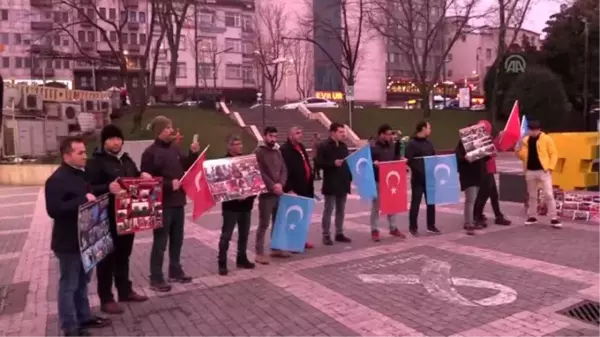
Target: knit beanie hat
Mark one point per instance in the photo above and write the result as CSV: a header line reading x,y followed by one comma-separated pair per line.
x,y
159,123
111,131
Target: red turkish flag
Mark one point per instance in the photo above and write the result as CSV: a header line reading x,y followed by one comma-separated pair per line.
x,y
393,196
195,185
512,129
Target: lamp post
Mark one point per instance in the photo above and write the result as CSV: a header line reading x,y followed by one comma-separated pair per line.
x,y
586,47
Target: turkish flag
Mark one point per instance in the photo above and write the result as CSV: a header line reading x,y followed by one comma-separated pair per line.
x,y
512,129
195,185
392,187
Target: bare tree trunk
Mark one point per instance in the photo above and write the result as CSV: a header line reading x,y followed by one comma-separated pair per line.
x,y
496,103
425,92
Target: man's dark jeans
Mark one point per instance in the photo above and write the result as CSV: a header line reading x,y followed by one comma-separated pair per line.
x,y
115,266
487,190
73,304
171,233
418,190
230,219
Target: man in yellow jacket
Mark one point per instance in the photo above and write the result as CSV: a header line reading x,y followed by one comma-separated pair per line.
x,y
538,153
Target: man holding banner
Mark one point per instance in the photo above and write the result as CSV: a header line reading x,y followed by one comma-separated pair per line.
x,y
385,158
471,176
336,181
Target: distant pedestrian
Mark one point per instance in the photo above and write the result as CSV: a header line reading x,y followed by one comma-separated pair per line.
x,y
539,156
235,212
300,177
471,175
66,190
274,173
336,182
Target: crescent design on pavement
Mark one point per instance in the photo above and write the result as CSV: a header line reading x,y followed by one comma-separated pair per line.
x,y
358,162
197,180
294,208
387,180
441,167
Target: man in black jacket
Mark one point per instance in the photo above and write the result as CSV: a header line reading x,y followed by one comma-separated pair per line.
x,y
300,176
382,150
106,166
336,182
163,159
235,212
66,190
418,147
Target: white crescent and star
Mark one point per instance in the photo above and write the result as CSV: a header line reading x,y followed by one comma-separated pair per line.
x,y
387,180
197,180
358,162
442,167
294,208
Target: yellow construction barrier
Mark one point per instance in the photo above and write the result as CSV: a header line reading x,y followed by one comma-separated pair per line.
x,y
576,153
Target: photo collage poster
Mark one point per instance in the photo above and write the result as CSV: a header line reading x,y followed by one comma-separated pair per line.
x,y
234,178
139,207
477,142
574,205
95,242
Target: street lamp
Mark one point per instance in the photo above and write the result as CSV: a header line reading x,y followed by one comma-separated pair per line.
x,y
586,47
264,82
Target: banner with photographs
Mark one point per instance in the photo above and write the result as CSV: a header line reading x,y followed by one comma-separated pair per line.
x,y
574,205
234,178
139,208
477,142
95,241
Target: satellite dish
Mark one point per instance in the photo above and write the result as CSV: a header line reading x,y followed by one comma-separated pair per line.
x,y
11,95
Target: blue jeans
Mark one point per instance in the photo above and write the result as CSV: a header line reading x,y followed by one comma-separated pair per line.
x,y
73,304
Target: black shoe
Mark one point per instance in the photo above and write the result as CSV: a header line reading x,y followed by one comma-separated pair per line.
x,y
244,264
327,241
94,323
77,332
223,269
481,223
342,238
414,232
502,221
160,286
469,229
433,230
556,223
181,278
479,226
531,221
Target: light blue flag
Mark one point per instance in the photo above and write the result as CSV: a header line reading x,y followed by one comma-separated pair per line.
x,y
524,126
292,223
363,175
441,180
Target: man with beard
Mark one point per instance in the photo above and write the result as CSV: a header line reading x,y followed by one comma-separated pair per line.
x,y
163,159
300,177
108,164
65,191
274,174
235,212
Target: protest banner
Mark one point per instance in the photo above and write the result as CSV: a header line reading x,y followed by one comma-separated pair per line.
x,y
139,206
477,142
234,178
95,242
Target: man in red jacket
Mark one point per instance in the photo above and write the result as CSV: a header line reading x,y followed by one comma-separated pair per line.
x,y
488,189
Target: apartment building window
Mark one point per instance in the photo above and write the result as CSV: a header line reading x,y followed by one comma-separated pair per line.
x,y
390,58
234,44
450,73
27,61
247,47
112,14
161,71
18,38
142,17
183,43
125,38
247,24
132,16
56,40
4,38
232,19
248,74
207,44
143,39
91,36
488,54
133,38
66,64
65,42
81,36
112,36
207,70
57,64
4,14
57,17
18,62
233,71
206,18
181,70
6,62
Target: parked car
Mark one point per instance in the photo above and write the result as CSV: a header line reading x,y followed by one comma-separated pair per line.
x,y
189,103
258,105
478,107
311,102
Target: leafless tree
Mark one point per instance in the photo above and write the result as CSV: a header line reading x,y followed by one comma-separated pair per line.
x,y
173,16
270,26
208,56
423,34
302,68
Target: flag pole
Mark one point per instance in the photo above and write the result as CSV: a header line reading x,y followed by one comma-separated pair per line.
x,y
194,163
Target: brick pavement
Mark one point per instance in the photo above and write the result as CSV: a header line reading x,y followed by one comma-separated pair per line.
x,y
320,292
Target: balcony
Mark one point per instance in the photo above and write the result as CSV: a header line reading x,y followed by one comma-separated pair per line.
x,y
132,48
42,25
133,25
208,29
131,3
41,3
88,46
41,72
41,48
87,22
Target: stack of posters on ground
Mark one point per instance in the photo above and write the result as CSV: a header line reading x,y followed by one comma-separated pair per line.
x,y
573,205
139,207
95,241
234,178
477,142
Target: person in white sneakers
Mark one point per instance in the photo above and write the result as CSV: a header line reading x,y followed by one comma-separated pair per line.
x,y
538,153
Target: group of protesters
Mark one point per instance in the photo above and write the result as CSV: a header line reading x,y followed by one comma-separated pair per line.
x,y
285,168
